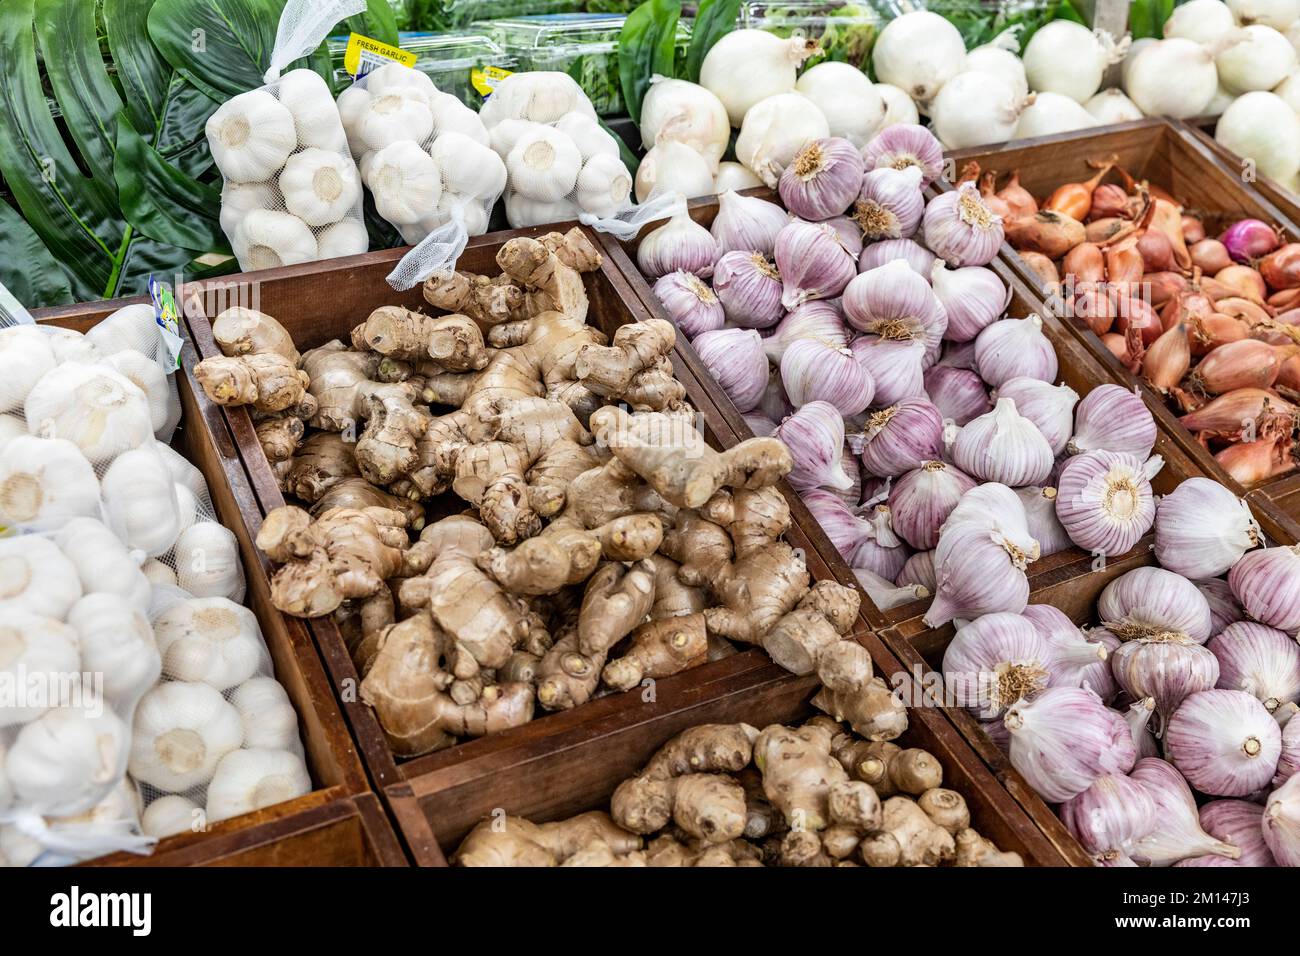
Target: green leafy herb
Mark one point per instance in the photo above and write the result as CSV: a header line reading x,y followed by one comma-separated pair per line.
x,y
647,45
713,19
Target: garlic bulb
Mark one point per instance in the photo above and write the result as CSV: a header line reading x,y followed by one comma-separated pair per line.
x,y
117,642
544,164
267,239
689,303
747,223
1104,500
1203,529
774,130
169,815
1004,447
680,244
958,393
407,183
907,144
1116,419
973,297
1154,603
1049,407
182,470
346,238
1281,823
890,203
993,662
686,113
209,640
896,367
895,303
852,104
248,780
813,263
587,135
1109,817
522,211
1176,833
734,357
1168,671
818,320
207,561
880,551
148,376
960,229
35,576
11,427
604,186
104,566
25,356
1224,609
673,167
316,120
1267,583
976,573
1260,660
69,345
34,647
1288,764
67,758
393,114
1064,739
919,571
811,371
181,732
269,718
1015,348
95,408
901,437
157,573
1044,526
1239,823
140,503
44,482
538,95
823,179
250,136
131,327
815,434
749,288
922,500
1224,742
920,259
320,186
1074,659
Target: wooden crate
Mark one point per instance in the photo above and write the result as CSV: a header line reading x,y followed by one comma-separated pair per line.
x,y
1273,191
567,761
1078,369
1176,158
338,823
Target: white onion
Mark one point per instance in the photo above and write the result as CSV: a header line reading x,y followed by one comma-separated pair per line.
x,y
1261,127
1112,106
1137,47
1067,58
999,61
849,100
1203,21
685,113
734,176
671,166
1174,78
1052,113
918,52
1278,14
1259,62
747,66
975,108
899,107
774,130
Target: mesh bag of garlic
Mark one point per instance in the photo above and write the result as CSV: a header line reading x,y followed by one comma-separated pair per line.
x,y
561,163
423,154
292,192
114,572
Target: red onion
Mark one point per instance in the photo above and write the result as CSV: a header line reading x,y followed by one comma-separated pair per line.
x,y
903,145
913,253
1238,822
1249,239
734,357
749,288
1109,817
822,179
901,437
1281,268
1224,742
1176,833
1065,738
958,393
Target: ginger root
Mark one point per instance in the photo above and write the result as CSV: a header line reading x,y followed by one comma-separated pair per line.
x,y
241,331
850,693
908,837
659,649
513,841
267,381
453,342
975,850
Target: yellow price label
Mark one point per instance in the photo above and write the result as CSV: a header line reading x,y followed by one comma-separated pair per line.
x,y
364,54
485,78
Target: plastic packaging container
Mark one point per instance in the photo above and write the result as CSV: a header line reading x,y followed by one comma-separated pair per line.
x,y
443,15
979,21
449,59
846,29
584,45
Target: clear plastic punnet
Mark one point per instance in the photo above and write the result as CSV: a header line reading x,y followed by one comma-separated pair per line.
x,y
292,192
116,574
456,62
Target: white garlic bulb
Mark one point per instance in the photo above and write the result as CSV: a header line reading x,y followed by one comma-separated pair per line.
x,y
505,134
405,181
351,104
210,640
468,167
671,166
25,356
95,408
69,345
248,780
6,788
588,135
538,95
116,641
158,574
522,211
316,120
139,501
45,481
181,732
345,238
207,561
604,186
67,757
251,135
473,212
132,327
32,645
239,199
269,239
450,115
393,114
148,376
544,165
104,565
393,79
269,718
36,577
11,427
169,815
320,186
183,471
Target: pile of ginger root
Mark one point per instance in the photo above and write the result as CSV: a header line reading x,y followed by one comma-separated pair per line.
x,y
596,543
730,795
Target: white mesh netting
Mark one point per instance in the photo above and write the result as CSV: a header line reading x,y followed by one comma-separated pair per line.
x,y
114,573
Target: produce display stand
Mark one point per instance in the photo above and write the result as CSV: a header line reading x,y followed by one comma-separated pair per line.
x,y
1179,160
339,823
570,761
